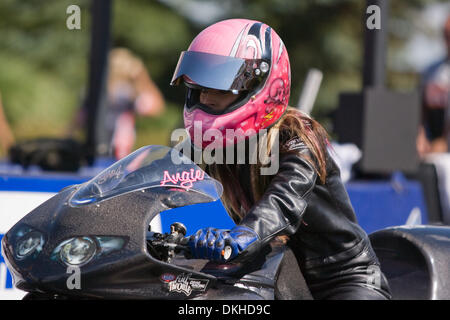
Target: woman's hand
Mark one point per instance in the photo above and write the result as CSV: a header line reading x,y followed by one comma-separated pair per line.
x,y
221,245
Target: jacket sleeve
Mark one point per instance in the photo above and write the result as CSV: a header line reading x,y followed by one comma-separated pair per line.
x,y
280,209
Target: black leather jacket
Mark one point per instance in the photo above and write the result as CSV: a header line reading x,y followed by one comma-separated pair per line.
x,y
333,251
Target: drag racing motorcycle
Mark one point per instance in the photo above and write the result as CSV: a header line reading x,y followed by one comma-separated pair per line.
x,y
122,235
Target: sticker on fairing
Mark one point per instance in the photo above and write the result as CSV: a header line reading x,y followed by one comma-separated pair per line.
x,y
167,277
183,283
184,179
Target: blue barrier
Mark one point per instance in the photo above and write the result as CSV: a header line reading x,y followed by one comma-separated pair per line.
x,y
378,204
8,283
381,204
198,216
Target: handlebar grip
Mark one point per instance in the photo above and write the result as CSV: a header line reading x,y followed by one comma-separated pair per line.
x,y
184,241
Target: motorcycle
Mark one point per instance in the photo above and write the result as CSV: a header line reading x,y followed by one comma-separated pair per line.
x,y
104,239
122,235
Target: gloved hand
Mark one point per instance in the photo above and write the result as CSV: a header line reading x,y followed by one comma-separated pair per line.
x,y
210,243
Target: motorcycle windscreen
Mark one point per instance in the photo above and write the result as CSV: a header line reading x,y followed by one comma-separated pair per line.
x,y
148,167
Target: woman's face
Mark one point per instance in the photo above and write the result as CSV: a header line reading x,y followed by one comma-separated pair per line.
x,y
217,100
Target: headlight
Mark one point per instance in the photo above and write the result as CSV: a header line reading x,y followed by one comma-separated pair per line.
x,y
28,244
77,251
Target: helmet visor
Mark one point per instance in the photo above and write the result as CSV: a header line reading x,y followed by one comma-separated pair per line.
x,y
220,72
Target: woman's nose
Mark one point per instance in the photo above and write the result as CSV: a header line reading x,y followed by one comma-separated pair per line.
x,y
205,95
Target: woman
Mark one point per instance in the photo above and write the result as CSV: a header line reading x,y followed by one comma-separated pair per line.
x,y
237,75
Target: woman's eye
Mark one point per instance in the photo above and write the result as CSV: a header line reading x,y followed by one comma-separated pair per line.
x,y
213,91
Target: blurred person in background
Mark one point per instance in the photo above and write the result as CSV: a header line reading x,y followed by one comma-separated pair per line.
x,y
435,130
433,140
130,92
6,135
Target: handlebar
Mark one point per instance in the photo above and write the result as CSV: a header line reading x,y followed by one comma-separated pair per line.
x,y
168,244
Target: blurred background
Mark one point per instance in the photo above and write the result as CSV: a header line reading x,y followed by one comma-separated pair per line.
x,y
44,65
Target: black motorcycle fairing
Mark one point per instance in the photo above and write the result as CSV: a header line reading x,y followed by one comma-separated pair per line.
x,y
122,208
127,273
415,260
119,203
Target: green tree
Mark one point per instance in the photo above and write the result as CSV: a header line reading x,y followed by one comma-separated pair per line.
x,y
44,65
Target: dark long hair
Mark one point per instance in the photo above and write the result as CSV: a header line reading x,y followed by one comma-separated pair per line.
x,y
292,124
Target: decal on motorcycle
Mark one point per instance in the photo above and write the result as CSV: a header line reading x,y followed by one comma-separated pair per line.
x,y
184,179
114,173
183,283
167,277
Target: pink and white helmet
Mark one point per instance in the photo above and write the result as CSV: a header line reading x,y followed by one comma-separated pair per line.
x,y
243,56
